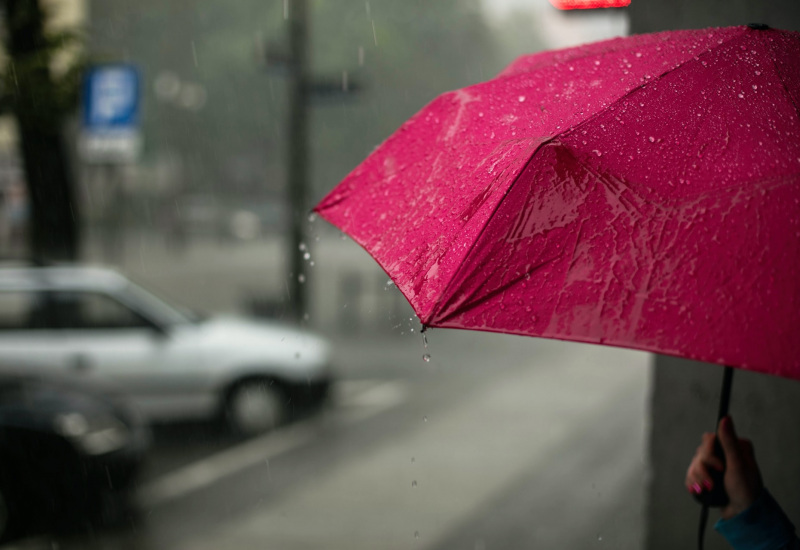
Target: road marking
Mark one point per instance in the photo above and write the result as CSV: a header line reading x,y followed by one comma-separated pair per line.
x,y
354,401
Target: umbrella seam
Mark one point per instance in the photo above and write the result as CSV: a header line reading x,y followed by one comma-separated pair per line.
x,y
444,297
642,85
783,81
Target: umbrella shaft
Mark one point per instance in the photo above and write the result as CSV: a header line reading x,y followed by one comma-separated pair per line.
x,y
725,396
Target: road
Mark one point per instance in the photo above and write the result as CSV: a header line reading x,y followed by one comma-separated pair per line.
x,y
497,442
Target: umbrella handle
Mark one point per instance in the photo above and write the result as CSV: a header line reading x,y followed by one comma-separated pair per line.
x,y
717,497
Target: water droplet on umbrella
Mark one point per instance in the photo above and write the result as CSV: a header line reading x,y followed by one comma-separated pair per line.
x,y
758,73
741,95
651,139
413,459
521,98
598,153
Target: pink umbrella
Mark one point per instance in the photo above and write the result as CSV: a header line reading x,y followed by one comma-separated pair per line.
x,y
640,192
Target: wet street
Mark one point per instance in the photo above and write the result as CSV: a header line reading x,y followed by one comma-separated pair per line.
x,y
497,442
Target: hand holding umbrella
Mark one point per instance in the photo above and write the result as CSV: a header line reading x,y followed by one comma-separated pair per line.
x,y
751,518
742,479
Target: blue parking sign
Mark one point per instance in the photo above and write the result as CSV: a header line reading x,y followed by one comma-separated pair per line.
x,y
111,97
111,114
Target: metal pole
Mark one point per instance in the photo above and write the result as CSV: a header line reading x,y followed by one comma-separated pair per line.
x,y
298,153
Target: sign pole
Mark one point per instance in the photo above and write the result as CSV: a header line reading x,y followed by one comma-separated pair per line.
x,y
298,155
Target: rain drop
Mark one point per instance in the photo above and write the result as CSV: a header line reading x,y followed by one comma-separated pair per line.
x,y
424,418
302,246
307,256
758,73
414,483
741,96
598,153
521,98
651,139
312,217
755,87
301,278
427,357
416,534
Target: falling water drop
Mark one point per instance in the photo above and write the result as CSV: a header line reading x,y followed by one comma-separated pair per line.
x,y
426,357
301,278
416,534
302,246
424,418
307,256
414,483
312,217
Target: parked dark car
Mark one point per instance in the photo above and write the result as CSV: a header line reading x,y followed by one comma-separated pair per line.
x,y
67,454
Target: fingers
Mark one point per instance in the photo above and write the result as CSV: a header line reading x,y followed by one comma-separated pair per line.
x,y
706,453
698,478
730,442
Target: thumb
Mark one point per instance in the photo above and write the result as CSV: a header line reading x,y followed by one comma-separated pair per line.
x,y
729,440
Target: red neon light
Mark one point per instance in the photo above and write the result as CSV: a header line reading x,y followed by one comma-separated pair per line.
x,y
589,4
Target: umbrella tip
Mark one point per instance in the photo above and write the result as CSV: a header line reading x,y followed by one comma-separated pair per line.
x,y
758,26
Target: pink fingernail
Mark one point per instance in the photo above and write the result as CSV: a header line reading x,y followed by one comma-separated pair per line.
x,y
697,489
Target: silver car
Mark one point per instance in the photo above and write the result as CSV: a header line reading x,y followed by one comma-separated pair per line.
x,y
95,323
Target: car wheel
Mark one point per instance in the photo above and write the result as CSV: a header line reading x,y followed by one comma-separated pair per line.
x,y
254,407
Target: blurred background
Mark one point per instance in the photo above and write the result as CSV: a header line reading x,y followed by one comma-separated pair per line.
x,y
181,145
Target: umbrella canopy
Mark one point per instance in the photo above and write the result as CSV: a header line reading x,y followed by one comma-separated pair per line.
x,y
641,192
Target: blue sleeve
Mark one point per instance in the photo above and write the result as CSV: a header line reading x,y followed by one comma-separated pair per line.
x,y
763,526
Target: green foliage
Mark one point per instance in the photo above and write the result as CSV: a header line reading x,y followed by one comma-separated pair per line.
x,y
41,84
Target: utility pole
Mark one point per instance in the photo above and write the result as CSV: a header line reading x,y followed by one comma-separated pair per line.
x,y
298,153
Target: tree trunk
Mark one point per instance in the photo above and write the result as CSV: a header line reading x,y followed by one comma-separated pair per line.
x,y
53,223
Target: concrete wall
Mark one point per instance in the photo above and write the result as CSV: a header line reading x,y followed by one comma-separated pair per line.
x,y
685,393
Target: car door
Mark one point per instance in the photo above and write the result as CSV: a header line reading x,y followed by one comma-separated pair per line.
x,y
157,369
30,340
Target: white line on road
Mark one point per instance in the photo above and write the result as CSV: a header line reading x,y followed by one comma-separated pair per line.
x,y
355,401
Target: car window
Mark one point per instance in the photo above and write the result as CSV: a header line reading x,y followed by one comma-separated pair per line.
x,y
23,310
91,310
